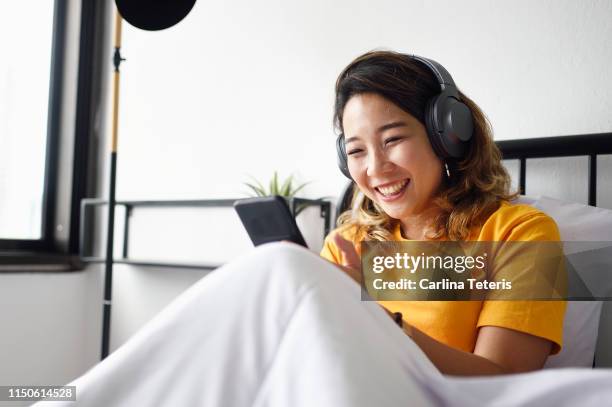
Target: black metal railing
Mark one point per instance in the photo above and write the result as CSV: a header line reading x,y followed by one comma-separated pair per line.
x,y
86,231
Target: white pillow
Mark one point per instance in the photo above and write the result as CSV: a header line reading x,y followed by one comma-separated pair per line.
x,y
577,223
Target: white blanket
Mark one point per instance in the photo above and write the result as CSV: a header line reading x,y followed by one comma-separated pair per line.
x,y
283,327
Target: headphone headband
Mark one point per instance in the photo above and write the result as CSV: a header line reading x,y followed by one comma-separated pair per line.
x,y
448,120
445,80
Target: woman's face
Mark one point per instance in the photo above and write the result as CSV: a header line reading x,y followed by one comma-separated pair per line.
x,y
389,156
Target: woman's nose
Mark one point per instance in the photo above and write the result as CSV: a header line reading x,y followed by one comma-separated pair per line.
x,y
378,163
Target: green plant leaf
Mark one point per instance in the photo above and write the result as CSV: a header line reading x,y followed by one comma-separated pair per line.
x,y
296,190
285,189
274,184
260,186
258,190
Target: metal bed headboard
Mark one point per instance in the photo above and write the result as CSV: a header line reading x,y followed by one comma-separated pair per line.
x,y
590,145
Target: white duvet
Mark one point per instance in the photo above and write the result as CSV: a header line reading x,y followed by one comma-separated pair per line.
x,y
283,327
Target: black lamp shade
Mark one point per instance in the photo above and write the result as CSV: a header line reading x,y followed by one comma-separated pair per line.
x,y
154,15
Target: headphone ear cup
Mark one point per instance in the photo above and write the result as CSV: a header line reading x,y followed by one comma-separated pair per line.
x,y
449,126
433,130
342,158
456,124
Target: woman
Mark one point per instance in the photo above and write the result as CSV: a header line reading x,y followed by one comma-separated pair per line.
x,y
280,326
430,171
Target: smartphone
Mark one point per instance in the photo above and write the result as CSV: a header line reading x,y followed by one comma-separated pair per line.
x,y
268,219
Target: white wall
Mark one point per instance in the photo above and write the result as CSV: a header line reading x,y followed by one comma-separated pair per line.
x,y
247,87
49,326
243,88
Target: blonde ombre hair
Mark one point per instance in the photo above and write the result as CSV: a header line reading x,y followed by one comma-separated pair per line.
x,y
479,181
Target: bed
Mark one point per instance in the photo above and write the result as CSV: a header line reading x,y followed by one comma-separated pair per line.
x,y
281,327
581,209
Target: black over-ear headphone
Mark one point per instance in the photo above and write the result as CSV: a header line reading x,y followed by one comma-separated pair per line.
x,y
448,121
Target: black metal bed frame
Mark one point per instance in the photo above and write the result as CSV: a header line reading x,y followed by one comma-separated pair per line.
x,y
590,145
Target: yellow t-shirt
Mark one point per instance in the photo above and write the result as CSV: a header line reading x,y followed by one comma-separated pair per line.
x,y
456,323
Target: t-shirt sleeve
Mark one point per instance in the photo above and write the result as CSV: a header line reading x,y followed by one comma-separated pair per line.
x,y
543,318
330,250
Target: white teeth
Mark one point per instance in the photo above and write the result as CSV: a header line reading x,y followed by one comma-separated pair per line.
x,y
392,189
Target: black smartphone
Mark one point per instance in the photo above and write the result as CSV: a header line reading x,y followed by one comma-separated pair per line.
x,y
268,219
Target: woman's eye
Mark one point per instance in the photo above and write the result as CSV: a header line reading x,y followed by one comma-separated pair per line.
x,y
393,139
354,151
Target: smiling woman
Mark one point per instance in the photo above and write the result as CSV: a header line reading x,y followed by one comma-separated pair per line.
x,y
405,97
422,157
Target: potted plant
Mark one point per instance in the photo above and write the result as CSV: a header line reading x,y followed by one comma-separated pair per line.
x,y
286,188
309,222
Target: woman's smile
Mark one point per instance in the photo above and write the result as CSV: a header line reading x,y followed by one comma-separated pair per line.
x,y
392,191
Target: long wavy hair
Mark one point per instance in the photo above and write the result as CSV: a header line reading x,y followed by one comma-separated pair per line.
x,y
479,181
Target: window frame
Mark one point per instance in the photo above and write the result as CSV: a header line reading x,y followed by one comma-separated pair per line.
x,y
59,245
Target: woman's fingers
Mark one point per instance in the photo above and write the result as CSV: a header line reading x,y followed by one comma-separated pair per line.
x,y
351,261
351,258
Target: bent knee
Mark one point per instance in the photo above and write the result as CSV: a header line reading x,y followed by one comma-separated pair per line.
x,y
291,261
290,255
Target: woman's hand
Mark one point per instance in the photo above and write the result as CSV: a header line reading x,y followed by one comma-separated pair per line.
x,y
351,264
